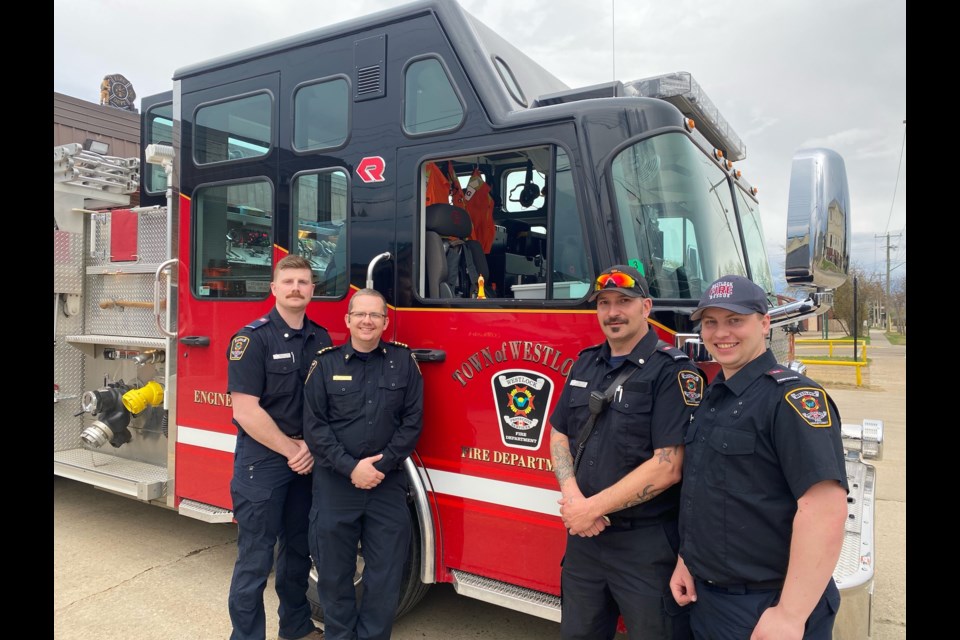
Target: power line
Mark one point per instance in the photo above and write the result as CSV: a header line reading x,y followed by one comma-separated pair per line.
x,y
897,181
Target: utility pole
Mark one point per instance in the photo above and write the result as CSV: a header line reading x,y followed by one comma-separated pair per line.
x,y
886,304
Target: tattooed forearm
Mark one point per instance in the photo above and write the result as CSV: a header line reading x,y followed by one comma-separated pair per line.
x,y
665,454
562,461
648,493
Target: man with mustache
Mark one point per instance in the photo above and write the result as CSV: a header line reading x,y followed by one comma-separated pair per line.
x,y
617,456
268,361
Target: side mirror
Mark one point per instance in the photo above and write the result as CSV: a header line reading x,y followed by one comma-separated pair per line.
x,y
818,220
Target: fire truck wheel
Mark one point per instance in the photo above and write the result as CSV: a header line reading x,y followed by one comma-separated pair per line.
x,y
412,589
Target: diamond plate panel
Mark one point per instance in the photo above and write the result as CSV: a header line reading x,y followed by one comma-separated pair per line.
x,y
780,345
67,262
152,241
117,320
68,373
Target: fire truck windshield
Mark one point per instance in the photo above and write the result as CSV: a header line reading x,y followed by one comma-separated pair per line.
x,y
676,210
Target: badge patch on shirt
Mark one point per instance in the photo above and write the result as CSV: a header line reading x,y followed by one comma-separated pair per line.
x,y
238,346
343,377
691,386
313,365
812,406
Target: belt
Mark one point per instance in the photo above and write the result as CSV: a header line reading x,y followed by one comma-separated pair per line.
x,y
744,587
636,523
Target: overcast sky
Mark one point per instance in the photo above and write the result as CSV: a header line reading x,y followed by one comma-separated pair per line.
x,y
785,74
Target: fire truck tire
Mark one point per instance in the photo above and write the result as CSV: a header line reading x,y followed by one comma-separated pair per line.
x,y
412,589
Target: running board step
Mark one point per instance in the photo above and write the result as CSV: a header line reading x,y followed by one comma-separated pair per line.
x,y
537,603
130,477
205,512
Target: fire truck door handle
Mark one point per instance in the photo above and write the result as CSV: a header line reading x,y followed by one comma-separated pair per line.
x,y
429,355
196,341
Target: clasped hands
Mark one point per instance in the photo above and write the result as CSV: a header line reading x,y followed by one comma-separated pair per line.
x,y
579,518
365,475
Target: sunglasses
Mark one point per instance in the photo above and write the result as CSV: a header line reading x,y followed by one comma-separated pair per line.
x,y
617,279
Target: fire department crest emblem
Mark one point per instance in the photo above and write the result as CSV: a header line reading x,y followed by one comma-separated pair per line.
x,y
691,386
238,346
812,406
521,398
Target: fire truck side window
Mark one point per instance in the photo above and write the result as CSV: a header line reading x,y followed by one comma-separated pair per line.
x,y
233,130
496,215
233,240
431,102
159,130
319,206
321,115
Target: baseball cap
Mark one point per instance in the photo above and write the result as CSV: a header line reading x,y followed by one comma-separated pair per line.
x,y
623,279
733,293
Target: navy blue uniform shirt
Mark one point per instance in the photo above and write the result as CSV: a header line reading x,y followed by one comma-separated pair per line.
x,y
755,445
650,412
269,360
357,405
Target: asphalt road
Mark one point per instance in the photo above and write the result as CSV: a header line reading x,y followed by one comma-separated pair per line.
x,y
124,569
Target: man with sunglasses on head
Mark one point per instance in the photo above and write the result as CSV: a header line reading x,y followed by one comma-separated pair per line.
x,y
363,411
764,497
617,450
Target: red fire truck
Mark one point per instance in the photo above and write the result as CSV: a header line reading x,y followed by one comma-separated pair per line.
x,y
334,145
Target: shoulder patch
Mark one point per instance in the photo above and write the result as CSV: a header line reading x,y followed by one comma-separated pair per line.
x,y
238,346
673,352
400,344
592,348
330,348
781,374
812,405
691,386
259,322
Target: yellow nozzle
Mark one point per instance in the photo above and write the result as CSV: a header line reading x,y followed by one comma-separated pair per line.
x,y
136,400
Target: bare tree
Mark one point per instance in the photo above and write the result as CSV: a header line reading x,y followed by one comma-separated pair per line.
x,y
869,289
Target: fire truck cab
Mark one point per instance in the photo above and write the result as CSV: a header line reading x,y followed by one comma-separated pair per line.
x,y
418,152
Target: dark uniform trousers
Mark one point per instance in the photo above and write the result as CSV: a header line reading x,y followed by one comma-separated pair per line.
x,y
271,504
630,562
379,519
731,612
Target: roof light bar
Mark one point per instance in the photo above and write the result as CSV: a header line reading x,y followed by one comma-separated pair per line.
x,y
683,92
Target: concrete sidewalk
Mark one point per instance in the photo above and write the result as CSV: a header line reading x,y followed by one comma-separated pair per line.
x,y
883,396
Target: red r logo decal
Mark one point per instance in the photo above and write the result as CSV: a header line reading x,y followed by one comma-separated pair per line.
x,y
370,169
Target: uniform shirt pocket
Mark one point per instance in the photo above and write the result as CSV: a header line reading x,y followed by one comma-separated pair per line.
x,y
733,467
630,416
282,378
578,411
344,400
392,389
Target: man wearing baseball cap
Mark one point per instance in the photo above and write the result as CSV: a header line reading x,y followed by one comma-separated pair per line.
x,y
617,450
763,503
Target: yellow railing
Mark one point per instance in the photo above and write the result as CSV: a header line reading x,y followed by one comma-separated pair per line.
x,y
839,363
820,341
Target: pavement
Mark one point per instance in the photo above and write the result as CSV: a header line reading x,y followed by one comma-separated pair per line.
x,y
883,396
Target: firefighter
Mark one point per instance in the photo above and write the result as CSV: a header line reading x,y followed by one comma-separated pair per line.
x,y
618,458
268,361
363,412
763,503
